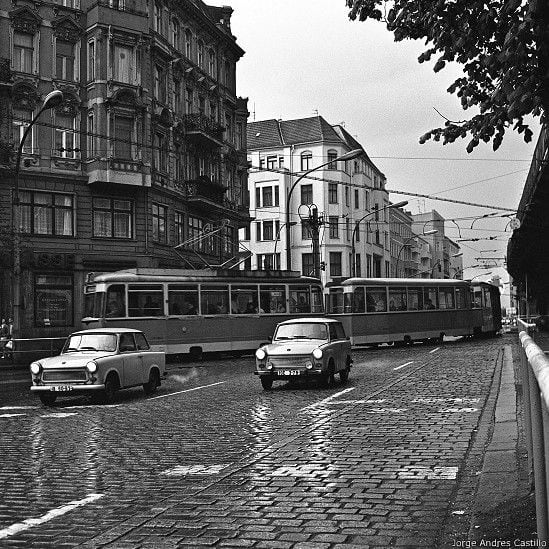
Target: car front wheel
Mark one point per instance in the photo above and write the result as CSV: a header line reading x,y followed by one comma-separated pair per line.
x,y
344,375
266,383
47,398
109,393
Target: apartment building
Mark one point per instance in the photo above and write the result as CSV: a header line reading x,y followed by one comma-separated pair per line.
x,y
296,182
142,165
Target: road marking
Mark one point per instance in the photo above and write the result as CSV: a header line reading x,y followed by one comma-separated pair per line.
x,y
12,415
18,407
60,414
54,513
459,410
435,400
188,390
327,400
402,365
434,350
182,470
386,410
371,401
423,473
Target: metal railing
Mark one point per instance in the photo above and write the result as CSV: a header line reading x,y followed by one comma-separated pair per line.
x,y
535,383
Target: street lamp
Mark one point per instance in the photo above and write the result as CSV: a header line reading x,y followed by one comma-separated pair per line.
x,y
353,254
425,233
481,274
347,156
52,100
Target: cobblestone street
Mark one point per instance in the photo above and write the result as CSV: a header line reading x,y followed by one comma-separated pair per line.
x,y
213,460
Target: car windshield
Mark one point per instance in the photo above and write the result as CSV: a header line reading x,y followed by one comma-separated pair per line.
x,y
301,331
90,342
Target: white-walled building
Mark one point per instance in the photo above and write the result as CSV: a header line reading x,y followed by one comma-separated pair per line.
x,y
349,197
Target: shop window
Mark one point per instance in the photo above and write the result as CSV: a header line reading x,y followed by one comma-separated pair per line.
x,y
54,298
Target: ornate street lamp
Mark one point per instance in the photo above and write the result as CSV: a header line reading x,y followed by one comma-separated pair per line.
x,y
52,100
347,156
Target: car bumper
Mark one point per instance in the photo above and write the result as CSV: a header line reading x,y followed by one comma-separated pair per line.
x,y
66,388
291,374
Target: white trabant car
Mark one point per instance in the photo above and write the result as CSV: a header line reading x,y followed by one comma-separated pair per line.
x,y
305,348
99,362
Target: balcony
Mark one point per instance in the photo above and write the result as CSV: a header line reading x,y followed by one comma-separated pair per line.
x,y
205,192
203,130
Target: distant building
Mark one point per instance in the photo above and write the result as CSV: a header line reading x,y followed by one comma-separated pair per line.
x,y
143,165
349,197
405,257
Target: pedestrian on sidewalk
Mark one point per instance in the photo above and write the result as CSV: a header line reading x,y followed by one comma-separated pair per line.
x,y
4,336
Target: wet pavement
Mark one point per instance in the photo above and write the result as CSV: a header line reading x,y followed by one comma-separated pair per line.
x,y
391,458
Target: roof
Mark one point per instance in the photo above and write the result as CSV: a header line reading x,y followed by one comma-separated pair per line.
x,y
108,331
305,320
278,133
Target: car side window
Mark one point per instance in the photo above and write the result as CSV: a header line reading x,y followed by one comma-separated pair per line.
x,y
142,343
127,343
333,333
340,331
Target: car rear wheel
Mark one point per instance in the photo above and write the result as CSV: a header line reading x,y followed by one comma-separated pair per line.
x,y
47,398
153,383
266,383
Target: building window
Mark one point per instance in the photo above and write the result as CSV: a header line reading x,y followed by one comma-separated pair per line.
x,y
271,162
334,226
332,155
307,264
211,63
65,136
188,44
357,231
306,194
112,218
194,232
358,268
306,230
90,135
189,101
23,52
159,223
160,83
91,60
53,300
267,230
158,18
64,55
176,33
160,153
267,196
332,193
200,54
306,161
346,196
47,213
21,121
335,264
123,64
177,96
123,136
179,228
268,262
357,201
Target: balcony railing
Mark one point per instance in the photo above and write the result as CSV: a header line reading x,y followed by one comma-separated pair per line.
x,y
204,189
202,126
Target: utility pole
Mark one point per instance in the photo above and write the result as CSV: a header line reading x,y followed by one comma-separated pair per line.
x,y
314,223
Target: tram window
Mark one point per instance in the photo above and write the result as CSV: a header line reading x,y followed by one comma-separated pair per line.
x,y
316,300
358,305
272,299
300,300
486,298
430,298
397,299
446,298
214,300
415,299
376,300
182,299
476,297
335,301
145,300
116,301
244,300
461,300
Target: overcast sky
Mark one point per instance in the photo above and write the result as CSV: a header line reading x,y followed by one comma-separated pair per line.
x,y
306,56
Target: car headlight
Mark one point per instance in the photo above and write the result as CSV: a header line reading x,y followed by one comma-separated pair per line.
x,y
35,368
317,354
260,354
92,367
9,345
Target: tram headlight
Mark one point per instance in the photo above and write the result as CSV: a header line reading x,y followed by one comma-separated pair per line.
x,y
91,367
260,354
317,354
35,368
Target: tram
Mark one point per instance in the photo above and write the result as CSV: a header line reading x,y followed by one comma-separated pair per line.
x,y
195,311
387,310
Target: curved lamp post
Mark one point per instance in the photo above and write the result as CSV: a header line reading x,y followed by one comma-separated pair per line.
x,y
347,156
353,251
52,100
481,274
425,233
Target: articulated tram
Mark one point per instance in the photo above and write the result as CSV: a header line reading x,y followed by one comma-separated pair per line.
x,y
386,310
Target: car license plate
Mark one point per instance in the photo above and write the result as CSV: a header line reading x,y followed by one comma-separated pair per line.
x,y
61,388
288,372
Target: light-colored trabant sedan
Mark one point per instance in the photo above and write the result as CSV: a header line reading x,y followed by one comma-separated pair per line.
x,y
99,362
305,348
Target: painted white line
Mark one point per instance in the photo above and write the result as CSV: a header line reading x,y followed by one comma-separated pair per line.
x,y
183,470
458,410
402,365
18,407
12,415
434,350
327,400
189,390
386,410
54,513
61,414
378,401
